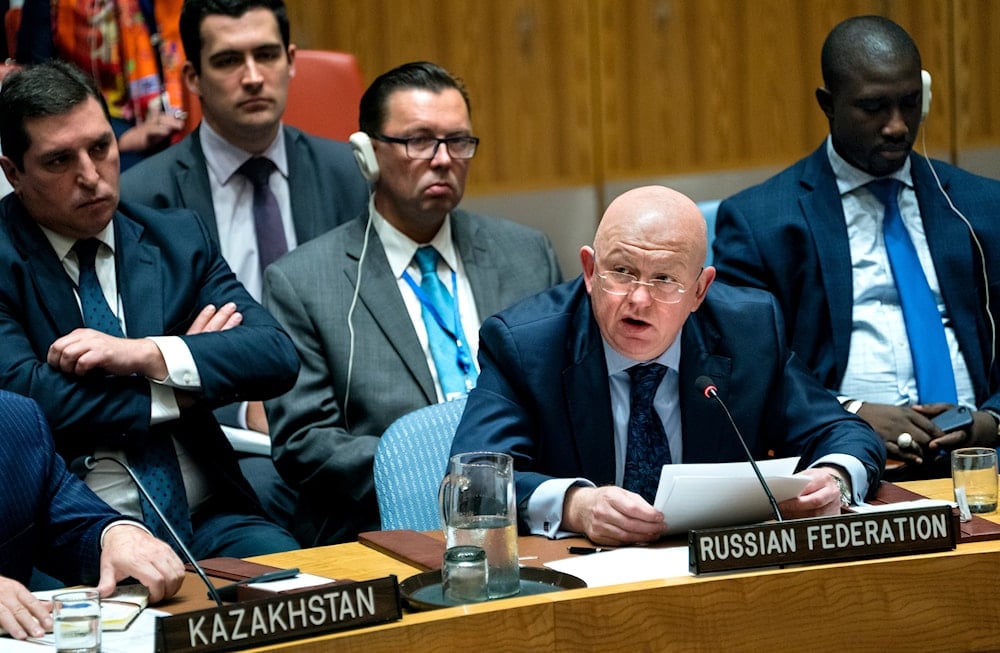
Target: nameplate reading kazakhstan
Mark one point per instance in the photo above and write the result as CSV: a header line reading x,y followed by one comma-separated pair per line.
x,y
852,536
282,617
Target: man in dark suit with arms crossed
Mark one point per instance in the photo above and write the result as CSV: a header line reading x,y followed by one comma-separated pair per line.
x,y
124,323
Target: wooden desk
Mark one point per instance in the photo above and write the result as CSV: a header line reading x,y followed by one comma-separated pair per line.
x,y
935,602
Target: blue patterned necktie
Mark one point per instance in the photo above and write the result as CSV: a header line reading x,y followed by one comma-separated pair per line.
x,y
443,345
648,450
155,462
270,230
928,345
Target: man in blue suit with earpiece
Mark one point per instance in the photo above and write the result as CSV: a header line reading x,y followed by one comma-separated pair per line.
x,y
884,262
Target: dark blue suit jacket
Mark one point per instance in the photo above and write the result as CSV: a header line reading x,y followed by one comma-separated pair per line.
x,y
544,397
168,270
788,235
325,185
48,516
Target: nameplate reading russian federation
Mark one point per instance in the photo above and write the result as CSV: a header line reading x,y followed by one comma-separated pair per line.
x,y
852,536
281,617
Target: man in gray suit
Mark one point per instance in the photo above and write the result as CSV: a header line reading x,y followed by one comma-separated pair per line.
x,y
360,311
240,62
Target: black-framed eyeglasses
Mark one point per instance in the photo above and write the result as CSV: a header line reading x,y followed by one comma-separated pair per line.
x,y
426,147
623,283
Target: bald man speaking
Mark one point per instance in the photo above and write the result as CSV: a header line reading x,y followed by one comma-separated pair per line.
x,y
590,385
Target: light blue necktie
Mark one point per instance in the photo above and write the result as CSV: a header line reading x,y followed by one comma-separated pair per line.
x,y
647,450
928,345
155,461
443,345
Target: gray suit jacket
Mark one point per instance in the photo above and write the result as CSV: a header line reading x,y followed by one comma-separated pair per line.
x,y
320,443
324,182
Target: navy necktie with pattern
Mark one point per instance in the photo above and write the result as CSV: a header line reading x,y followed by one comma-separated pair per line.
x,y
924,330
155,461
648,450
270,230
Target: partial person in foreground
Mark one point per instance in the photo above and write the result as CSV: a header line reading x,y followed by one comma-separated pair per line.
x,y
591,385
885,263
125,324
51,520
377,336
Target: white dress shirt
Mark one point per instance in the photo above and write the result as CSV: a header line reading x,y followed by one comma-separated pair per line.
x,y
232,199
879,365
108,480
399,251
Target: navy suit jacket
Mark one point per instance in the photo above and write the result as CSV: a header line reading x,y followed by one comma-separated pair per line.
x,y
48,517
325,186
544,396
168,270
789,236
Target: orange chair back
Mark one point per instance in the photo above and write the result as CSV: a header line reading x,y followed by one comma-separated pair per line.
x,y
12,23
323,96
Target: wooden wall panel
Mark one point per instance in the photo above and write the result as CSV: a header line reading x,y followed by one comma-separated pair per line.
x,y
579,92
977,71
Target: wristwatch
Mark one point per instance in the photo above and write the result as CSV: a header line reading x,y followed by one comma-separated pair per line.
x,y
845,494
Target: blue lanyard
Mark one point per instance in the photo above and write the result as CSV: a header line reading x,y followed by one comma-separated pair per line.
x,y
464,358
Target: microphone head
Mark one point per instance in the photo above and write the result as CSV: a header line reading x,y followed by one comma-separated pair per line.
x,y
706,386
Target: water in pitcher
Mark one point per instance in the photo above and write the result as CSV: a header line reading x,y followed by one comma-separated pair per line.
x,y
498,538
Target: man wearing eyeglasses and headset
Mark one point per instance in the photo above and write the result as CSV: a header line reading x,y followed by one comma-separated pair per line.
x,y
564,373
377,336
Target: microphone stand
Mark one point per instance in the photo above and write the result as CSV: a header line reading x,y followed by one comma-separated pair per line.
x,y
711,392
91,461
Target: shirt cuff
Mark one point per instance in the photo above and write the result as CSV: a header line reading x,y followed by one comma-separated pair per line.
x,y
545,506
181,369
855,469
120,522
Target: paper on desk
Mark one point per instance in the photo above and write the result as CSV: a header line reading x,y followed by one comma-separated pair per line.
x,y
627,565
301,581
139,638
723,494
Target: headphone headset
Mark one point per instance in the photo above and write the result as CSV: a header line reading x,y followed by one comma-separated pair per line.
x,y
364,154
925,101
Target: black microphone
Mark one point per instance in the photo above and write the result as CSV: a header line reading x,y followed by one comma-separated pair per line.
x,y
707,387
89,462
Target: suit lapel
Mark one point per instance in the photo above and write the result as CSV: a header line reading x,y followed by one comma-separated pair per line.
x,y
481,269
380,295
139,280
699,339
303,188
588,399
955,262
824,213
57,297
192,183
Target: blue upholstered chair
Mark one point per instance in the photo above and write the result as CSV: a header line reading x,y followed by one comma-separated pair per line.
x,y
410,462
709,208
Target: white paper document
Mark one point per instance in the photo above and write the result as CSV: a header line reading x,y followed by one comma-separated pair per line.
x,y
723,494
626,565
